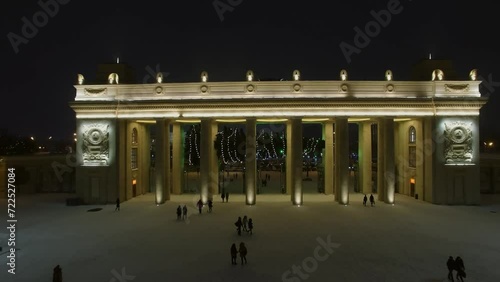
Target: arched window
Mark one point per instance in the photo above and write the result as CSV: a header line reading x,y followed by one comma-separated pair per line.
x,y
134,136
412,135
412,140
133,157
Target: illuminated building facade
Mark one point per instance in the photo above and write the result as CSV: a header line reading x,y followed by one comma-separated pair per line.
x,y
427,131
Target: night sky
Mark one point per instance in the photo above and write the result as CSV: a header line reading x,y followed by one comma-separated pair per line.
x,y
272,38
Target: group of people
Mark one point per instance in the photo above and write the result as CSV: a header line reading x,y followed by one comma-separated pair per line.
x,y
210,205
458,265
264,181
224,195
243,253
182,211
246,224
372,200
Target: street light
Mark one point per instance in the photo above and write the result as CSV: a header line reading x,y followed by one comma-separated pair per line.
x,y
488,145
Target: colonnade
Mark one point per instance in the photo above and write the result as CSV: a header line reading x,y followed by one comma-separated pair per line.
x,y
335,159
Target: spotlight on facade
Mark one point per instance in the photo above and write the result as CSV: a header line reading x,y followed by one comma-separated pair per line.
x,y
296,75
249,75
343,75
81,79
204,76
159,77
388,75
473,74
437,74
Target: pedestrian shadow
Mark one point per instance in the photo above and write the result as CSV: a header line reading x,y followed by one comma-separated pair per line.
x,y
94,210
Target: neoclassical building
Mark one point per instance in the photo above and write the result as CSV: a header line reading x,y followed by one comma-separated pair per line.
x,y
427,131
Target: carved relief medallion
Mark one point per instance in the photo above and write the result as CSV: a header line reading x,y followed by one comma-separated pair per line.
x,y
458,143
95,145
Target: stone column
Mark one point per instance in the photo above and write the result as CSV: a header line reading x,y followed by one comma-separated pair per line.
x,y
177,158
386,166
365,157
294,160
342,160
162,161
429,148
419,175
214,162
250,162
205,159
380,159
328,157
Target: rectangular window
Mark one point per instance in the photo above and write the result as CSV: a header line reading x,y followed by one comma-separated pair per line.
x,y
412,158
134,158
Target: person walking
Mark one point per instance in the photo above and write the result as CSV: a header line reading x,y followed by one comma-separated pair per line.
x,y
179,212
200,205
238,224
223,195
234,252
364,200
57,275
243,253
184,212
117,204
451,266
372,200
227,197
250,226
460,268
210,205
245,222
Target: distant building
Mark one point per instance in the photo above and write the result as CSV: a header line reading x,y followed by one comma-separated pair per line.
x,y
124,71
38,174
422,70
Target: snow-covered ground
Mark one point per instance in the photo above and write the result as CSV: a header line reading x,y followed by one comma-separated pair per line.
x,y
319,241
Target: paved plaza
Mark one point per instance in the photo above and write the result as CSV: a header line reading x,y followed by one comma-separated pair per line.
x,y
319,241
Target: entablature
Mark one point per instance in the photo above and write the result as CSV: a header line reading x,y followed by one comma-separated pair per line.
x,y
292,90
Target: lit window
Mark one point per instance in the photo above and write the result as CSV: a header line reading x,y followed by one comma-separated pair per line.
x,y
412,135
412,157
134,136
133,158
